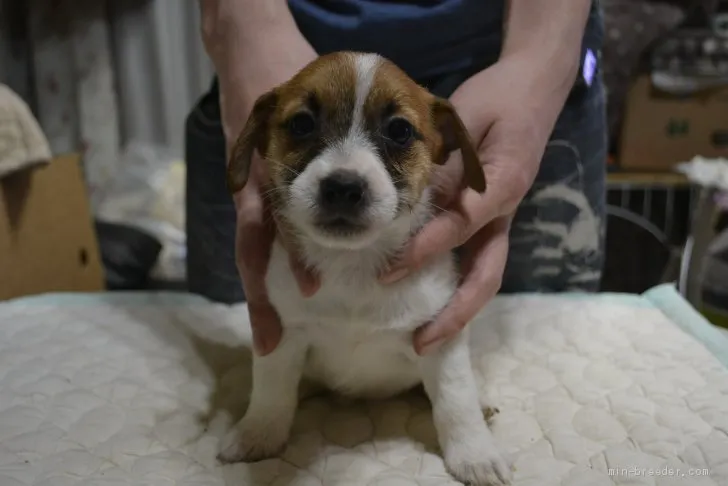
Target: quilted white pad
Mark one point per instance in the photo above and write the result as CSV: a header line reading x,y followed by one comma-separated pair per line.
x,y
109,391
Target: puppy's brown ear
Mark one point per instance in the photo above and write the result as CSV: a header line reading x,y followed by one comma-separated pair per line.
x,y
455,137
253,137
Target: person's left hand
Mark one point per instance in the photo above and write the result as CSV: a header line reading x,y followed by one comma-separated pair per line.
x,y
509,110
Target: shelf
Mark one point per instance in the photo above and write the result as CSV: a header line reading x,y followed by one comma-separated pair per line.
x,y
671,179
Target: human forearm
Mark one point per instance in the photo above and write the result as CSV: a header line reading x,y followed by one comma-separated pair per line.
x,y
254,46
227,23
550,33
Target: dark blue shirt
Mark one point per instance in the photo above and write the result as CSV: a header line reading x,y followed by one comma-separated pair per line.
x,y
426,38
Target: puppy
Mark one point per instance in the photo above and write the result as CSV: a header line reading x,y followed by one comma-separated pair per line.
x,y
350,144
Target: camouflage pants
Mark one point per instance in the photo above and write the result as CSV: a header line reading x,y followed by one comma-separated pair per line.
x,y
557,237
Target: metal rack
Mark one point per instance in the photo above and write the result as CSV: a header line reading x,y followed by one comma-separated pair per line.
x,y
677,213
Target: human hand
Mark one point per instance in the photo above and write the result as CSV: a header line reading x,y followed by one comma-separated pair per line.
x,y
509,110
248,66
256,229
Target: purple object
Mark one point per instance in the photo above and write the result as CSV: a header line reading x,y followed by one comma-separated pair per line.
x,y
590,67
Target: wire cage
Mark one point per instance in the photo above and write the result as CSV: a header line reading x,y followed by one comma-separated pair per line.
x,y
648,222
660,229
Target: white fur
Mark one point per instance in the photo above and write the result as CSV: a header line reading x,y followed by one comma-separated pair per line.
x,y
366,69
355,335
354,153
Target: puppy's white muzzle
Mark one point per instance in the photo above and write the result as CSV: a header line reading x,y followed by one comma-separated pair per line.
x,y
344,198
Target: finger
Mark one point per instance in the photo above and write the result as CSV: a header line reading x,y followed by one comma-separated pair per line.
x,y
447,181
449,229
255,232
308,281
510,166
254,237
264,320
265,325
484,272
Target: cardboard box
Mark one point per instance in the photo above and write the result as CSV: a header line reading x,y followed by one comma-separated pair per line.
x,y
661,130
47,239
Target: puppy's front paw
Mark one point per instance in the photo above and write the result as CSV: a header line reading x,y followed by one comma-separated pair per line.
x,y
481,465
247,443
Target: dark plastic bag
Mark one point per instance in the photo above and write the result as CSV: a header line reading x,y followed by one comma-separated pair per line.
x,y
128,255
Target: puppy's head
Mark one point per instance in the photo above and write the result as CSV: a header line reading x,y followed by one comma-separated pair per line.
x,y
350,143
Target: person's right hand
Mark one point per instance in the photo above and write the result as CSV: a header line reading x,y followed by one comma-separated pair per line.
x,y
248,66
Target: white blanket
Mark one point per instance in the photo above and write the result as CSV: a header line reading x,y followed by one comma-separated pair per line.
x,y
137,390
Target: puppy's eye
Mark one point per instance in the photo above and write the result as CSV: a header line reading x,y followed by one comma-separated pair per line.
x,y
399,131
301,125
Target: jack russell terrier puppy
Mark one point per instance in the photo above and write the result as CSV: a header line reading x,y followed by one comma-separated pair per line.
x,y
350,144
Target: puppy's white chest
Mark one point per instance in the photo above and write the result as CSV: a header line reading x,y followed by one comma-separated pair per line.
x,y
359,333
375,364
352,299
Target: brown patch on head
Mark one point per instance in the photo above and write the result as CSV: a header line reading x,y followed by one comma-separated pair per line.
x,y
322,92
295,122
436,132
394,96
321,95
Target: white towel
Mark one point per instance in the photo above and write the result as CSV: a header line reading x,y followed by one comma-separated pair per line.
x,y
707,172
22,142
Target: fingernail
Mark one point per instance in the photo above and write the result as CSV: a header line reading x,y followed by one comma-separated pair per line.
x,y
394,276
307,289
260,345
314,286
429,347
308,283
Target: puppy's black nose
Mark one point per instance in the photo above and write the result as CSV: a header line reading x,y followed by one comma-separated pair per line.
x,y
343,193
